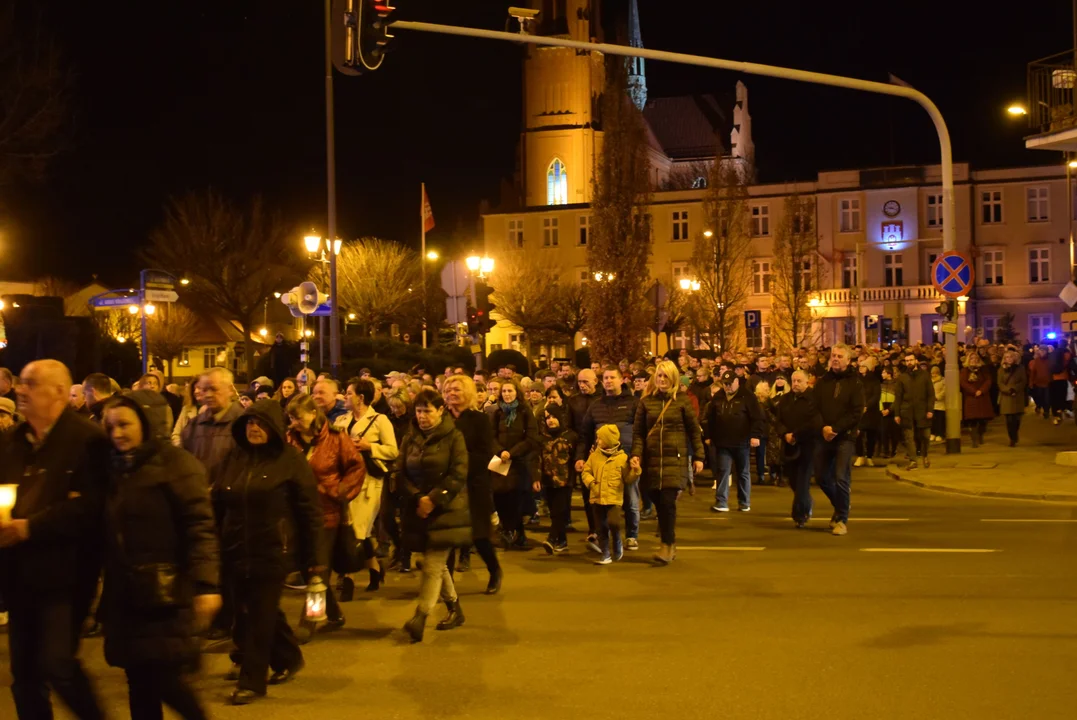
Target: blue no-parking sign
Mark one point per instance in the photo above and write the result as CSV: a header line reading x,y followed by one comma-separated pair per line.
x,y
952,274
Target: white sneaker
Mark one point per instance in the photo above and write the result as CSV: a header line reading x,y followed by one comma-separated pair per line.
x,y
869,462
858,462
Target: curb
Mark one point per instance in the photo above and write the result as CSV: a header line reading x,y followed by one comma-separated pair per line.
x,y
1048,497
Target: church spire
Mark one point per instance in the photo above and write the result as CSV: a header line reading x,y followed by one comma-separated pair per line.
x,y
637,75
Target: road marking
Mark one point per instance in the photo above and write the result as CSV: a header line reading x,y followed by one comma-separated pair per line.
x,y
1028,520
855,520
733,548
928,550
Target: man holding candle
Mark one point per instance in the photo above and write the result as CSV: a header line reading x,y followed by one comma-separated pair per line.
x,y
50,548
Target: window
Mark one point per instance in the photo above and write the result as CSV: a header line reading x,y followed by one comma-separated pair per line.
x,y
802,273
934,210
850,215
517,342
759,337
761,276
700,183
680,225
585,229
848,331
992,267
931,258
991,328
550,232
894,270
584,274
516,233
760,220
1037,198
991,207
1038,327
185,357
214,357
556,183
1038,262
680,270
849,272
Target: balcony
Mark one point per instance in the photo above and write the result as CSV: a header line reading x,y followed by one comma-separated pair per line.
x,y
1051,114
847,296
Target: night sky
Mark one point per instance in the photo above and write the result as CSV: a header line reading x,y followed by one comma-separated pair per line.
x,y
175,96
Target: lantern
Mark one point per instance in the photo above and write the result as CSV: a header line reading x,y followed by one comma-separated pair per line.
x,y
7,502
314,612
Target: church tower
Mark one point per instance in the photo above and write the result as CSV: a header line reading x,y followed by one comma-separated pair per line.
x,y
637,75
562,88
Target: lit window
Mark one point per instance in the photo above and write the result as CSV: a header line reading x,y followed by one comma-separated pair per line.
x,y
1038,200
992,267
550,232
760,220
1038,327
850,215
556,184
894,270
991,328
758,337
585,229
761,276
516,233
991,207
1039,260
680,225
934,210
849,272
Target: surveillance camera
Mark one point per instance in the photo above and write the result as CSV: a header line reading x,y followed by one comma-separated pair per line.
x,y
523,14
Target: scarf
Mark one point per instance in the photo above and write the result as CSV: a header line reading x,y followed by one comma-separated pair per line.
x,y
509,409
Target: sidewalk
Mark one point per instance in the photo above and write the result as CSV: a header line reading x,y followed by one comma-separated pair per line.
x,y
1026,472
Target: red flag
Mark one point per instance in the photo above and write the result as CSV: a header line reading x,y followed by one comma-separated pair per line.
x,y
427,212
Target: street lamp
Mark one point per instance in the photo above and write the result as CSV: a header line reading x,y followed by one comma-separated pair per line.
x,y
483,265
185,281
1017,109
312,242
351,316
708,234
263,332
605,277
432,256
133,309
689,285
149,309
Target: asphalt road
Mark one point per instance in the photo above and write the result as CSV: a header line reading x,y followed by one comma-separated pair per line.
x,y
755,619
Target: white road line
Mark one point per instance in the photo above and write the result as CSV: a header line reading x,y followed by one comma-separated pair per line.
x,y
928,550
733,548
855,519
1028,520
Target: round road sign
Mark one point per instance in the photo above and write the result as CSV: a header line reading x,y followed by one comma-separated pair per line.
x,y
952,274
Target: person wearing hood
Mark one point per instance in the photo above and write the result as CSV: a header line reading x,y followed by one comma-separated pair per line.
x,y
558,443
263,486
161,557
840,398
605,475
430,480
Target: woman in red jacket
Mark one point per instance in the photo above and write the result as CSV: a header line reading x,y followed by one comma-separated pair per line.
x,y
338,467
975,390
1039,380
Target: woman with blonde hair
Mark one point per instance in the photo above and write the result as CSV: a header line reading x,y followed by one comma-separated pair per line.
x,y
1012,384
666,432
192,400
461,399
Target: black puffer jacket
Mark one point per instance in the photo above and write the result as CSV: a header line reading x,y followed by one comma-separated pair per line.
x,y
157,511
434,465
664,452
730,422
266,500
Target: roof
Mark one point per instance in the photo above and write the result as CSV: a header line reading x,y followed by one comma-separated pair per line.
x,y
687,126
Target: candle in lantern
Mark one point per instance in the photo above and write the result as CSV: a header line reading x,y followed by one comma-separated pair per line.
x,y
7,502
315,607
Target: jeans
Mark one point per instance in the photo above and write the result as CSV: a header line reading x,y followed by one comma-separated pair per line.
x,y
665,503
43,637
437,580
833,472
560,500
917,439
149,687
727,458
1013,426
800,472
760,456
865,442
631,510
261,634
608,527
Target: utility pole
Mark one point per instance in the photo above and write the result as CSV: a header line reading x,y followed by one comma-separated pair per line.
x,y
331,178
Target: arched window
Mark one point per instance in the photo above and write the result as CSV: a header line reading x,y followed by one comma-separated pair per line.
x,y
556,183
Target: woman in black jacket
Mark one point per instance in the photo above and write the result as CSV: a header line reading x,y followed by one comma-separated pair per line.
x,y
161,562
462,401
873,415
515,440
430,478
263,487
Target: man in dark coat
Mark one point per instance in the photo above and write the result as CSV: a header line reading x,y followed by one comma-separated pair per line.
x,y
734,423
914,403
841,405
50,548
799,424
578,405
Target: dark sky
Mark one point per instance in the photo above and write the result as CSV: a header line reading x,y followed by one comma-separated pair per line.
x,y
175,96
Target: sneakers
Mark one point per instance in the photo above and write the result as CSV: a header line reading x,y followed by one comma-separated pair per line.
x,y
927,463
858,462
560,548
592,544
618,552
719,508
548,547
744,508
1057,421
839,529
604,560
869,462
911,465
647,514
802,523
632,544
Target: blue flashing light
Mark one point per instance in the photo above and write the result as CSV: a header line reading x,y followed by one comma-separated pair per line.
x,y
1051,336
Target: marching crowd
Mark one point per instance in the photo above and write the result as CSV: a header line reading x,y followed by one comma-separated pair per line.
x,y
168,514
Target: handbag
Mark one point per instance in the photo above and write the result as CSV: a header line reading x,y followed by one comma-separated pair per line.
x,y
345,555
153,586
373,467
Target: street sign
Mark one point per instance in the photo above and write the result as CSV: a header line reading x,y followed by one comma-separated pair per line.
x,y
456,310
752,319
871,322
104,302
162,281
1069,294
323,310
952,274
950,328
153,295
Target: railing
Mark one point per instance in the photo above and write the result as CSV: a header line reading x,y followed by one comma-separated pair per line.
x,y
844,296
1051,82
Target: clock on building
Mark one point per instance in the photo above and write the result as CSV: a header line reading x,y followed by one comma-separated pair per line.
x,y
892,208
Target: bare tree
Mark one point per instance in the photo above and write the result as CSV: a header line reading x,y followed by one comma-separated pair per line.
x,y
235,259
35,95
170,329
522,293
678,315
797,273
721,254
569,314
380,281
118,325
620,245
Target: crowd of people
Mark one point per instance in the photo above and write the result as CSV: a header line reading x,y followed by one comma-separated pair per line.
x,y
166,514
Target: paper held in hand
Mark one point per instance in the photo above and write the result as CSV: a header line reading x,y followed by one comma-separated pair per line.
x,y
498,466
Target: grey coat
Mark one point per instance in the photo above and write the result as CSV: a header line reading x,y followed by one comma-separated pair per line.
x,y
914,398
1012,383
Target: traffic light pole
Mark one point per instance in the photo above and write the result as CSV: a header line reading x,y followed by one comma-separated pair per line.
x,y
331,182
949,228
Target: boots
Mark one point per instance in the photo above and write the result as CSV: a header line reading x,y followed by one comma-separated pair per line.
x,y
416,626
455,618
664,556
975,436
673,552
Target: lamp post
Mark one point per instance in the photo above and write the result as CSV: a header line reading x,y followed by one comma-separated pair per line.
x,y
479,268
325,254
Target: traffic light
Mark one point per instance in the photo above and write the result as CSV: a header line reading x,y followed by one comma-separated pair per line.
x,y
948,309
360,34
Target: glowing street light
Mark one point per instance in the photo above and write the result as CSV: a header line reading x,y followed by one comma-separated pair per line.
x,y
1017,109
263,332
121,339
276,295
483,265
689,285
133,309
1072,164
312,241
351,316
149,309
708,233
814,302
2,305
432,256
185,281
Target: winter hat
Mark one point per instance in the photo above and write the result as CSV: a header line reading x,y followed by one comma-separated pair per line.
x,y
7,405
262,380
608,436
558,411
